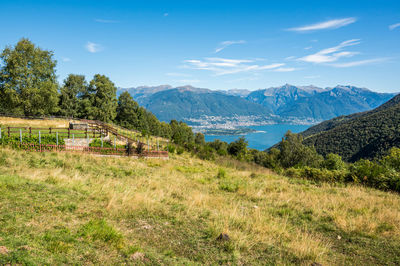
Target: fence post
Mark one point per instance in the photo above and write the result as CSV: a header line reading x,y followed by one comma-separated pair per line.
x,y
40,140
8,131
50,130
69,132
57,137
30,132
101,138
0,132
20,136
73,139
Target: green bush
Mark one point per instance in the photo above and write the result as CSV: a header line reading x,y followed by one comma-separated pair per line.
x,y
229,185
97,143
221,173
206,153
333,162
180,150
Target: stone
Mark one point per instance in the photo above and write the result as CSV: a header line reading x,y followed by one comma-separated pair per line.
x,y
137,256
223,237
3,250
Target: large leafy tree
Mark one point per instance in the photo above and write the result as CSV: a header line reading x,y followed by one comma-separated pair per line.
x,y
127,115
28,83
70,95
100,100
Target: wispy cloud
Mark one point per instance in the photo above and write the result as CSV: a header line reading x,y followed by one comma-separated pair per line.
x,y
393,26
166,14
331,54
312,77
285,69
99,20
307,48
66,59
93,47
329,24
223,66
225,44
360,62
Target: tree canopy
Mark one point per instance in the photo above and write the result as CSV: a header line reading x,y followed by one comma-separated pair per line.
x,y
28,83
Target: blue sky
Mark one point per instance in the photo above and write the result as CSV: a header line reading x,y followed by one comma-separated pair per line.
x,y
216,44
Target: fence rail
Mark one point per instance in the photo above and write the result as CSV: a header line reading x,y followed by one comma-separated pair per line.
x,y
89,150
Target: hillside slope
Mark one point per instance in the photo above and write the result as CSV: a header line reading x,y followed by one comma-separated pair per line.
x,y
80,209
363,135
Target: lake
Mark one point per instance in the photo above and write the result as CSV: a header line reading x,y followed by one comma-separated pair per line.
x,y
264,137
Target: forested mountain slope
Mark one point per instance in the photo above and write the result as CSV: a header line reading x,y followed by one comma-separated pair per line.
x,y
363,135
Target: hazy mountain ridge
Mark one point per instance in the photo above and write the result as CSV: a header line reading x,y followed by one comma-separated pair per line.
x,y
295,103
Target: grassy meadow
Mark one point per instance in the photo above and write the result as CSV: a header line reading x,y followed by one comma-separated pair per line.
x,y
61,208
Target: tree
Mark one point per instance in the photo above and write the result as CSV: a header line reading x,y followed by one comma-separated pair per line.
x,y
199,139
294,153
127,111
100,100
238,148
28,83
70,94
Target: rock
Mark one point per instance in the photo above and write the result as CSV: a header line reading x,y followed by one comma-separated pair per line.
x,y
3,250
137,256
339,237
223,237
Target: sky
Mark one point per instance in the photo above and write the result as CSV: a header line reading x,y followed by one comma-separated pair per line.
x,y
215,44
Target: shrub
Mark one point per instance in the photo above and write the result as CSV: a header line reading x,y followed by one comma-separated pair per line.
x,y
333,162
180,150
97,143
206,153
221,173
170,148
229,185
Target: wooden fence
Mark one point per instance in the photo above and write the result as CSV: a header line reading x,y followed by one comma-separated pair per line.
x,y
89,150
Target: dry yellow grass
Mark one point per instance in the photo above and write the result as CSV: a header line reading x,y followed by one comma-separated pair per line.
x,y
296,220
16,122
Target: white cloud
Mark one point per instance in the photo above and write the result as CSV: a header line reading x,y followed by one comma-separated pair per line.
x,y
223,66
331,54
285,69
106,21
66,59
93,47
359,63
393,26
307,48
330,24
225,44
290,58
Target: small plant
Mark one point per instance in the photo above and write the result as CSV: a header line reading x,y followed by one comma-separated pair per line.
x,y
221,173
180,150
229,186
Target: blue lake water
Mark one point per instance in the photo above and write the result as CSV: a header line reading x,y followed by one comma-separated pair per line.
x,y
265,137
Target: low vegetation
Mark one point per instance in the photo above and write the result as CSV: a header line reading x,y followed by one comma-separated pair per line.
x,y
59,208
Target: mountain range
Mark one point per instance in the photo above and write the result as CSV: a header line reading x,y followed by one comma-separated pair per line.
x,y
288,102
